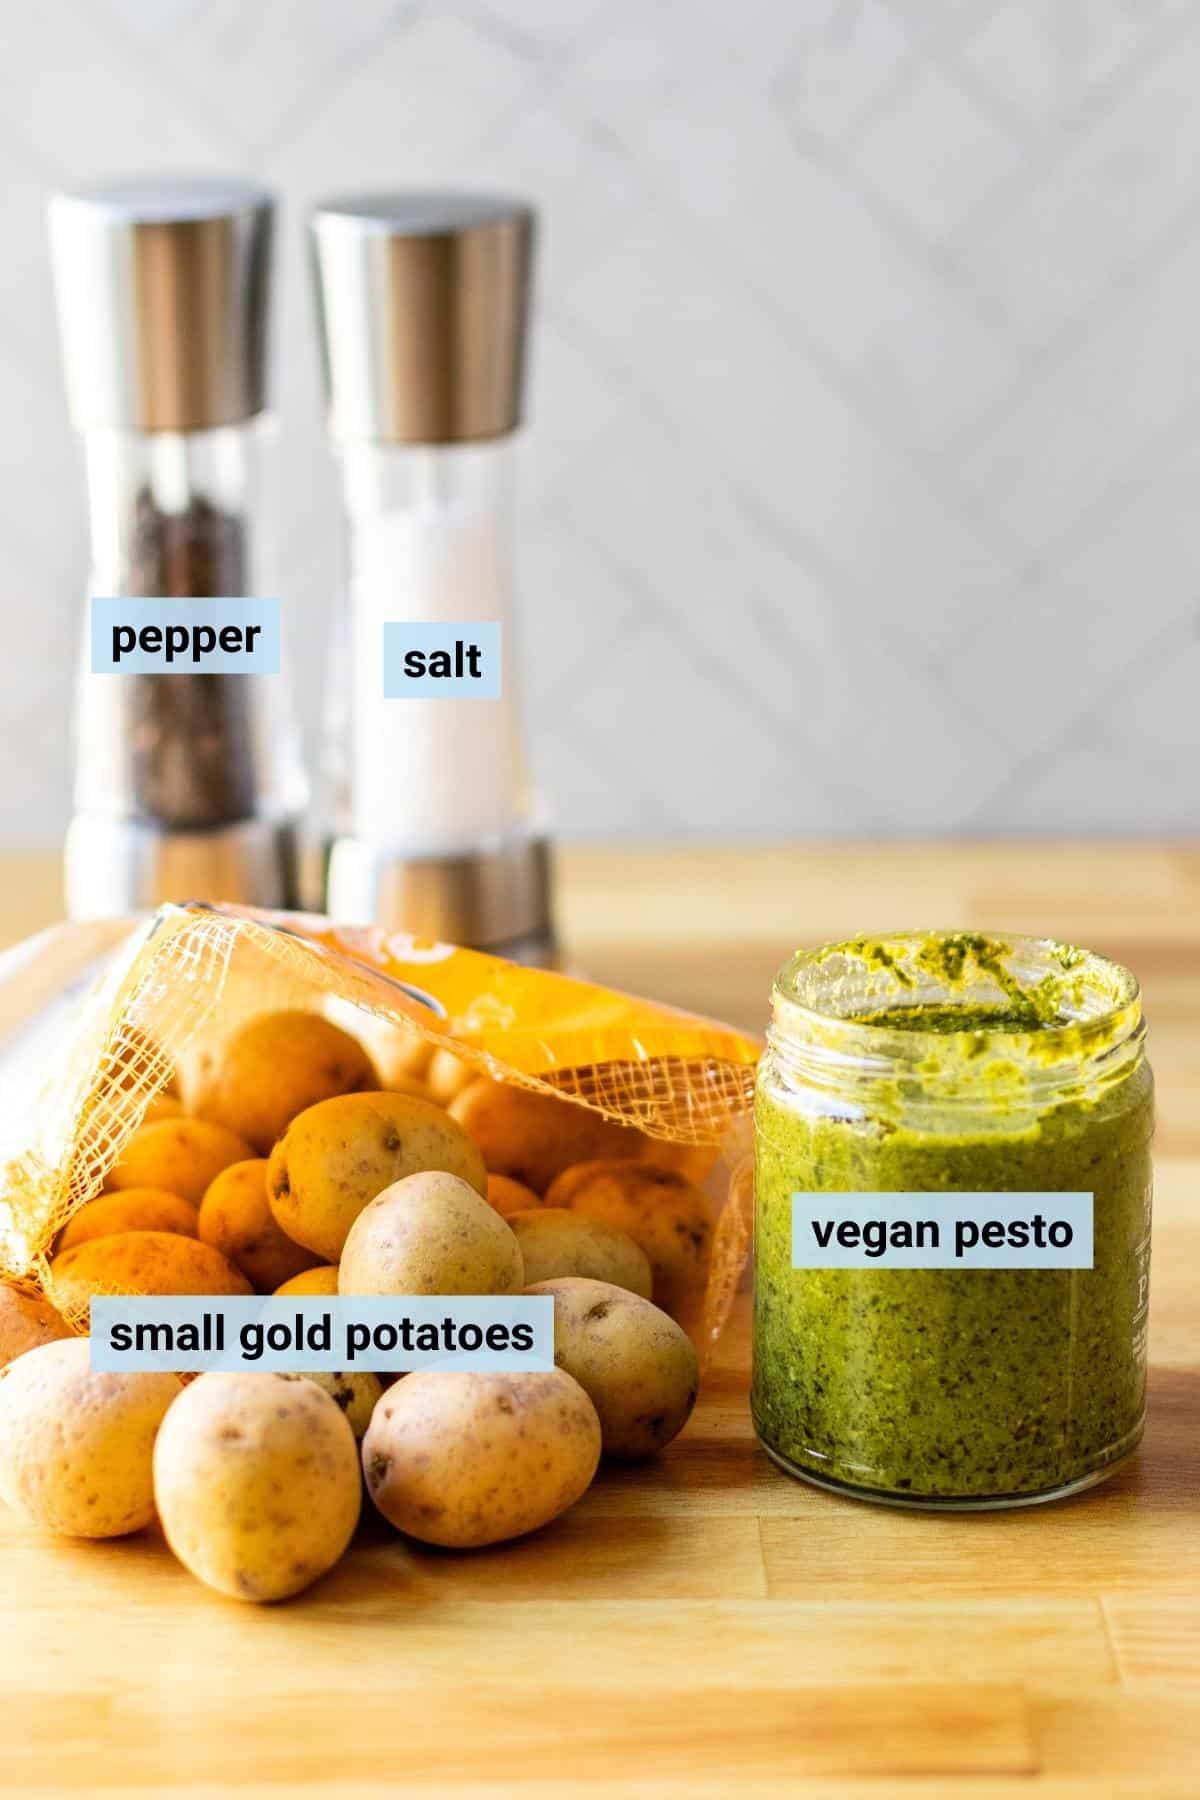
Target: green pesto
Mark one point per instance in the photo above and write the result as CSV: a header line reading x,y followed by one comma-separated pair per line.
x,y
948,1385
1002,1020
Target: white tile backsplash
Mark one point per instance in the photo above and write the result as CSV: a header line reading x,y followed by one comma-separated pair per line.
x,y
861,489
933,154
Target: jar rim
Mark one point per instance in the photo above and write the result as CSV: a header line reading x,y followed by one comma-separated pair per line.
x,y
1078,1003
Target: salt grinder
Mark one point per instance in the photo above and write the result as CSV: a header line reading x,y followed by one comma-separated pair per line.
x,y
423,302
187,785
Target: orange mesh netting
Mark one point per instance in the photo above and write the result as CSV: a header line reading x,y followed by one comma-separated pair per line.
x,y
192,969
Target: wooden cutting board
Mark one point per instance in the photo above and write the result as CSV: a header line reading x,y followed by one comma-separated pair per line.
x,y
702,1626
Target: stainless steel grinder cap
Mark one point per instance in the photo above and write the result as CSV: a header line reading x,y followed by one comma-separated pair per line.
x,y
162,293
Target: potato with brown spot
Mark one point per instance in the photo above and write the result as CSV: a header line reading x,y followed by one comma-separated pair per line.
x,y
636,1364
556,1242
431,1233
27,1321
320,1281
463,1459
659,1209
339,1154
236,1219
257,1482
356,1391
184,1156
141,1262
695,1161
533,1137
509,1196
273,1068
76,1444
134,1209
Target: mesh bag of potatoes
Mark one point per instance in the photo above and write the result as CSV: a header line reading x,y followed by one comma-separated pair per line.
x,y
257,1103
194,1076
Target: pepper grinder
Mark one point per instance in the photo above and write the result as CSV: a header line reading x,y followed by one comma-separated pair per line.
x,y
423,304
187,785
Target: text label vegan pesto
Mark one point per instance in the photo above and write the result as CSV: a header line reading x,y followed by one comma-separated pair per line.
x,y
943,1231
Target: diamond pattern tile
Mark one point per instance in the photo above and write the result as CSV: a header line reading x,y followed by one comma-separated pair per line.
x,y
865,454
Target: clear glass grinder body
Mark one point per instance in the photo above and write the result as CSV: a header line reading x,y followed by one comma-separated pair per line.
x,y
424,303
185,515
188,783
430,540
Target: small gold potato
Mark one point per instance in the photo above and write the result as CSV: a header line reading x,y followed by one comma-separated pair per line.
x,y
431,1233
532,1137
319,1281
272,1068
696,1161
408,1084
509,1196
134,1209
356,1391
236,1220
162,1106
142,1262
464,1459
76,1444
556,1242
399,1052
341,1153
636,1364
27,1320
447,1075
659,1209
184,1156
257,1482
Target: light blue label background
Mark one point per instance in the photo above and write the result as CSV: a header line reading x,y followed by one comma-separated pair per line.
x,y
399,637
263,659
945,1209
534,1310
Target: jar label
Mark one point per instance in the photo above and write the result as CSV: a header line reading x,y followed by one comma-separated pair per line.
x,y
942,1231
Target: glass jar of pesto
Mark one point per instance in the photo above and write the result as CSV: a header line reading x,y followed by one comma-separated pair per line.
x,y
940,1064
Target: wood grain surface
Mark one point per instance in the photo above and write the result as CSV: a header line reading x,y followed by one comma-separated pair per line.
x,y
701,1626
